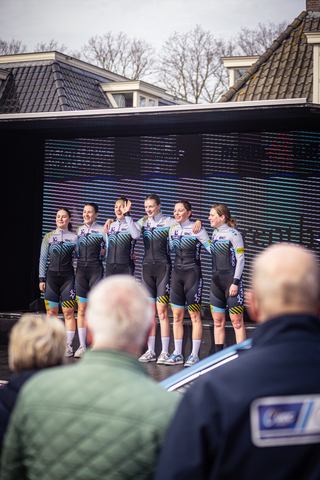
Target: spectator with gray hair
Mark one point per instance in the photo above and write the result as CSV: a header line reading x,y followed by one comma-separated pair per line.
x,y
99,417
36,342
258,416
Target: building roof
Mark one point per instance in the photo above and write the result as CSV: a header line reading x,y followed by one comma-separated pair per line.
x,y
50,86
285,70
53,82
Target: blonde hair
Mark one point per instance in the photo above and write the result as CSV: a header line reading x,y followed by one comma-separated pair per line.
x,y
36,341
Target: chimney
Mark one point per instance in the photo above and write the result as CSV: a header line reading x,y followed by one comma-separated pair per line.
x,y
313,5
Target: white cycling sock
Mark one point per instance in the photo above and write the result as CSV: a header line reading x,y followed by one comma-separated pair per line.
x,y
178,346
151,344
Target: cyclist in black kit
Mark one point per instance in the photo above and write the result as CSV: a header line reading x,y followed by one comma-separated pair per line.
x,y
92,249
56,272
156,272
187,282
122,235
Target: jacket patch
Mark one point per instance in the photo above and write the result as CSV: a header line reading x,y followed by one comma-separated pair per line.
x,y
288,420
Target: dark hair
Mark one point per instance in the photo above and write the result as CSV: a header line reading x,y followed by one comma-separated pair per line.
x,y
154,197
93,205
123,199
222,209
69,214
186,204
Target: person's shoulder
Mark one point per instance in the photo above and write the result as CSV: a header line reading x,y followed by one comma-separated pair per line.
x,y
223,379
78,230
170,221
98,227
49,234
234,232
142,221
113,224
149,392
45,382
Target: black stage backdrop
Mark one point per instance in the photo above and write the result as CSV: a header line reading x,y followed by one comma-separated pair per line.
x,y
270,181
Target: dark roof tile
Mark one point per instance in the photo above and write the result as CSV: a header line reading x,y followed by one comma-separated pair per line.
x,y
284,70
55,86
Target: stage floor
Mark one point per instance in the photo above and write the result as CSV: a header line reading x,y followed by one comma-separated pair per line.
x,y
157,372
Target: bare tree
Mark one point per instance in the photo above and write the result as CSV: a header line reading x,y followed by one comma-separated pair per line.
x,y
12,48
190,65
51,47
256,41
131,58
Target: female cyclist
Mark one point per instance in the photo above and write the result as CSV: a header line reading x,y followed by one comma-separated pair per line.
x,y
122,235
156,271
56,278
92,248
227,251
186,284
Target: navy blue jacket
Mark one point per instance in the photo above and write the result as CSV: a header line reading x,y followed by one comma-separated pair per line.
x,y
8,397
211,434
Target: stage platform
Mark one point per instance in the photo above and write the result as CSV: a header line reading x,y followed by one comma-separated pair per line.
x,y
158,372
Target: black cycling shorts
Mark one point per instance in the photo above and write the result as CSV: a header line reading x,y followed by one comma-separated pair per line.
x,y
186,287
86,278
118,269
220,298
156,279
60,286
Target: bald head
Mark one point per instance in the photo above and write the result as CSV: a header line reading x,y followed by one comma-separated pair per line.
x,y
285,280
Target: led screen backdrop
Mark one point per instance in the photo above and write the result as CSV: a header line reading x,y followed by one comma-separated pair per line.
x,y
270,181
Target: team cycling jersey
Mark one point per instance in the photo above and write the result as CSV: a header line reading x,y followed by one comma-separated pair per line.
x,y
122,238
227,251
91,241
155,232
187,244
59,247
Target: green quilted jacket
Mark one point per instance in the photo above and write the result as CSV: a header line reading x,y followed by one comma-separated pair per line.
x,y
101,418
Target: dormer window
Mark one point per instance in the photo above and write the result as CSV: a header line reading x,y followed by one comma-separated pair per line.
x,y
3,75
132,94
123,99
142,102
237,66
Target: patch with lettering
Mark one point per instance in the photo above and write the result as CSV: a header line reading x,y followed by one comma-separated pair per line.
x,y
287,420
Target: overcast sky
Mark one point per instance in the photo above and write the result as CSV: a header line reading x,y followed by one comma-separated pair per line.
x,y
73,22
